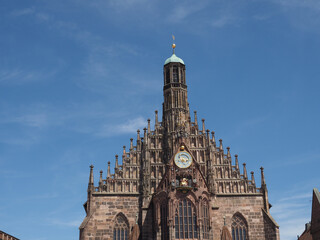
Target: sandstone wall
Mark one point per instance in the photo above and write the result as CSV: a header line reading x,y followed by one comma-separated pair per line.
x,y
250,207
99,224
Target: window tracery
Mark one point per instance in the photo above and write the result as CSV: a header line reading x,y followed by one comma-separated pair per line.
x,y
186,221
239,228
121,228
205,217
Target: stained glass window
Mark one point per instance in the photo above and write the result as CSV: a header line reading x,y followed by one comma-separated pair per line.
x,y
121,228
206,223
186,221
239,228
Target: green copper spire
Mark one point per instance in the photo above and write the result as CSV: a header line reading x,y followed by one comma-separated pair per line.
x,y
173,58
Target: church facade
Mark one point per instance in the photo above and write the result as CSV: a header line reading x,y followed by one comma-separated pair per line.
x,y
177,182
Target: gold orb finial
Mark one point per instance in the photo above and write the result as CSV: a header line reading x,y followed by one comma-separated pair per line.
x,y
182,148
173,44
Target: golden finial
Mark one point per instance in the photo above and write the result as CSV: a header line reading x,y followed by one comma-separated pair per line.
x,y
182,148
173,44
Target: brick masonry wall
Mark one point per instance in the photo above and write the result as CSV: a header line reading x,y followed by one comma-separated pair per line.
x,y
315,218
103,213
251,209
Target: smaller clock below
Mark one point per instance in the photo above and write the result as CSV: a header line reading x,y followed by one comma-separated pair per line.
x,y
183,159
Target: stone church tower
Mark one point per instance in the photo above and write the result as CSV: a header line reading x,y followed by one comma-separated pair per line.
x,y
177,182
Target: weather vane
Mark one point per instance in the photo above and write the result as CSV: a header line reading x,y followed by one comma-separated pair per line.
x,y
173,44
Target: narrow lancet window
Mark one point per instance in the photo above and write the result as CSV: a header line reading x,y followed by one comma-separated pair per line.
x,y
206,223
186,221
175,76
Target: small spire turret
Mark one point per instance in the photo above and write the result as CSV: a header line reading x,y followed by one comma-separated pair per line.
x,y
131,144
145,136
220,147
195,118
149,128
91,180
263,181
203,126
117,163
124,151
228,153
138,135
156,118
252,178
208,137
264,191
237,162
100,180
108,173
245,175
213,138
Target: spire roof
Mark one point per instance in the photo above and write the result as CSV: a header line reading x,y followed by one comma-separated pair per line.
x,y
174,58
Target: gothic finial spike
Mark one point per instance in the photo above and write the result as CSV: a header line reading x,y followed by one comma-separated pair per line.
x,y
149,128
91,180
203,126
138,134
228,153
220,147
245,175
100,180
124,150
208,134
237,163
108,173
195,118
213,138
156,118
173,44
131,144
252,178
263,181
145,135
117,164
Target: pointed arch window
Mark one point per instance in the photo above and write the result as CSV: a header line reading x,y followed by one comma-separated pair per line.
x,y
186,221
121,228
239,228
164,225
168,76
175,75
206,222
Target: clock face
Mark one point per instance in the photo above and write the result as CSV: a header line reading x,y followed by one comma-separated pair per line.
x,y
183,159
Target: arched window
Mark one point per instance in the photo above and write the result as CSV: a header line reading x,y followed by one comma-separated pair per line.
x,y
175,76
168,76
121,228
239,228
164,225
186,221
206,222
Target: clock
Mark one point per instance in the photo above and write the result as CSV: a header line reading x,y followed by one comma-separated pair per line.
x,y
183,159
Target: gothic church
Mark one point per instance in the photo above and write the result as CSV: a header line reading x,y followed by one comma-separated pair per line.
x,y
177,182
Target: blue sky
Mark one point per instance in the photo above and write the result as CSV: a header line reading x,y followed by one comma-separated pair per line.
x,y
78,78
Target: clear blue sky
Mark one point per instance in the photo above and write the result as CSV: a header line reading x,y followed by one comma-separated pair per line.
x,y
78,78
